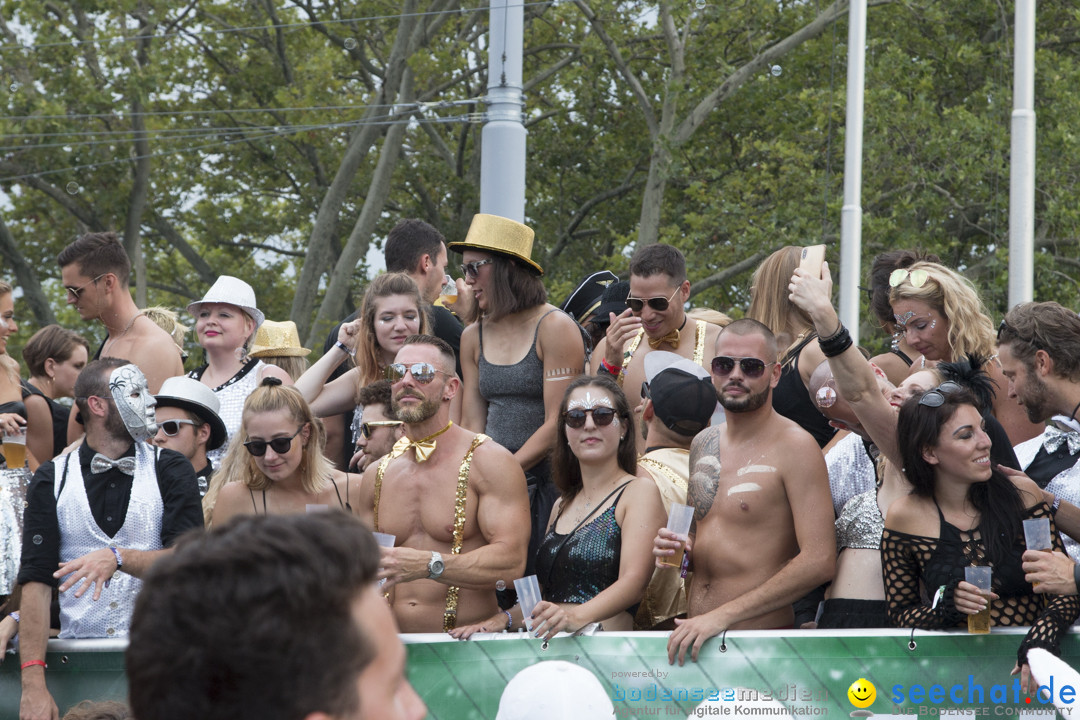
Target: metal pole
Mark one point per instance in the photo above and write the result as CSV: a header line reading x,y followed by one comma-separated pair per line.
x,y
1022,163
851,213
502,139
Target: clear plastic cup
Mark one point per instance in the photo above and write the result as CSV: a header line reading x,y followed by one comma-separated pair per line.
x,y
979,576
679,519
14,448
1037,536
528,592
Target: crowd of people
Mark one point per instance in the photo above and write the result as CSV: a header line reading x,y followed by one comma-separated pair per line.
x,y
498,436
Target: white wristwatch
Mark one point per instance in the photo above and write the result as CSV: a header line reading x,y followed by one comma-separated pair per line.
x,y
435,566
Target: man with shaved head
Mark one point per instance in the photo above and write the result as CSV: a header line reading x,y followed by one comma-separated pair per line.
x,y
752,555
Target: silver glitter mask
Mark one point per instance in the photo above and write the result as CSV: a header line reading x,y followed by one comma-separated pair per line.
x,y
134,402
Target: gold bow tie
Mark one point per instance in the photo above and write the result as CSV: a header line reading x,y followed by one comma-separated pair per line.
x,y
423,447
672,338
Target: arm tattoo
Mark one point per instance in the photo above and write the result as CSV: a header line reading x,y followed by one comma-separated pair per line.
x,y
704,472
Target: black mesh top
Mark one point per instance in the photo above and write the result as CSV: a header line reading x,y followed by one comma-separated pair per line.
x,y
914,565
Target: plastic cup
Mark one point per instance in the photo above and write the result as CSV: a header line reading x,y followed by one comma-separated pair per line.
x,y
679,519
528,592
384,540
980,577
1037,536
14,448
448,294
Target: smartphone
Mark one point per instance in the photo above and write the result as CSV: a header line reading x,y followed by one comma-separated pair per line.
x,y
812,257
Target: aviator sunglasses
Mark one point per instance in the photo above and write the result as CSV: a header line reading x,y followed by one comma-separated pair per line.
x,y
279,445
750,367
601,416
659,304
422,372
172,427
917,278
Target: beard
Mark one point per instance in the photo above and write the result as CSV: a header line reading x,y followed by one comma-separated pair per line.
x,y
413,414
114,423
1038,403
747,403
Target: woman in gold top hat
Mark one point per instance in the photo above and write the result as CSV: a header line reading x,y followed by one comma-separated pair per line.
x,y
518,354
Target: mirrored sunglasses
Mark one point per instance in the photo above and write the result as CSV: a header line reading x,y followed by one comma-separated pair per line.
x,y
917,278
601,416
422,373
279,445
750,367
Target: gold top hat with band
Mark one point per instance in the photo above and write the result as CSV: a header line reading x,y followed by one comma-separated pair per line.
x,y
277,339
492,233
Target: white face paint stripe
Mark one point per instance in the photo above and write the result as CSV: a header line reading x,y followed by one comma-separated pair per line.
x,y
744,488
755,469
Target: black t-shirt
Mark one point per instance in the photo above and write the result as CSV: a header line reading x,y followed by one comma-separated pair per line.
x,y
108,494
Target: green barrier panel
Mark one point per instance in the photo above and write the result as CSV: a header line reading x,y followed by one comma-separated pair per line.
x,y
792,676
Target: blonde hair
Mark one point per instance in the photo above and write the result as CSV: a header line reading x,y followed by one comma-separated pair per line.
x,y
9,364
971,332
239,465
168,320
294,365
367,346
713,317
769,303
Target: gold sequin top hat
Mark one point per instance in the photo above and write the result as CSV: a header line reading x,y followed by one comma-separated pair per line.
x,y
277,339
492,233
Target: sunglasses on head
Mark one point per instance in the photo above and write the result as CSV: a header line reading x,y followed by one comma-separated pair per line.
x,y
367,428
936,398
279,445
659,304
472,269
601,416
422,373
750,367
1006,327
172,427
917,278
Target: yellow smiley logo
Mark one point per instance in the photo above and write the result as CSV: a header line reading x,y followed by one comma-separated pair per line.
x,y
862,693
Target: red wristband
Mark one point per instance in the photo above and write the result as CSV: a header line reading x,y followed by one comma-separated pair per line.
x,y
32,663
609,368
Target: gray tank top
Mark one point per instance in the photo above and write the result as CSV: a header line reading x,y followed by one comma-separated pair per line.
x,y
514,394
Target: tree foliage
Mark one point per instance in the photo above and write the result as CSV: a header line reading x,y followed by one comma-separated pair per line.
x,y
280,141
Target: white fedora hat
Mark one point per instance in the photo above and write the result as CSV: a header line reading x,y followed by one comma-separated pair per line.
x,y
231,291
190,394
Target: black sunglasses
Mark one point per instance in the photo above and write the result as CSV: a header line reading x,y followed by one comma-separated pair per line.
x,y
601,416
172,427
659,304
750,367
936,398
367,428
422,373
472,269
279,445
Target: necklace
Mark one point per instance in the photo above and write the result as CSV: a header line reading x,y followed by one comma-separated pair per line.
x,y
130,324
589,507
1072,415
